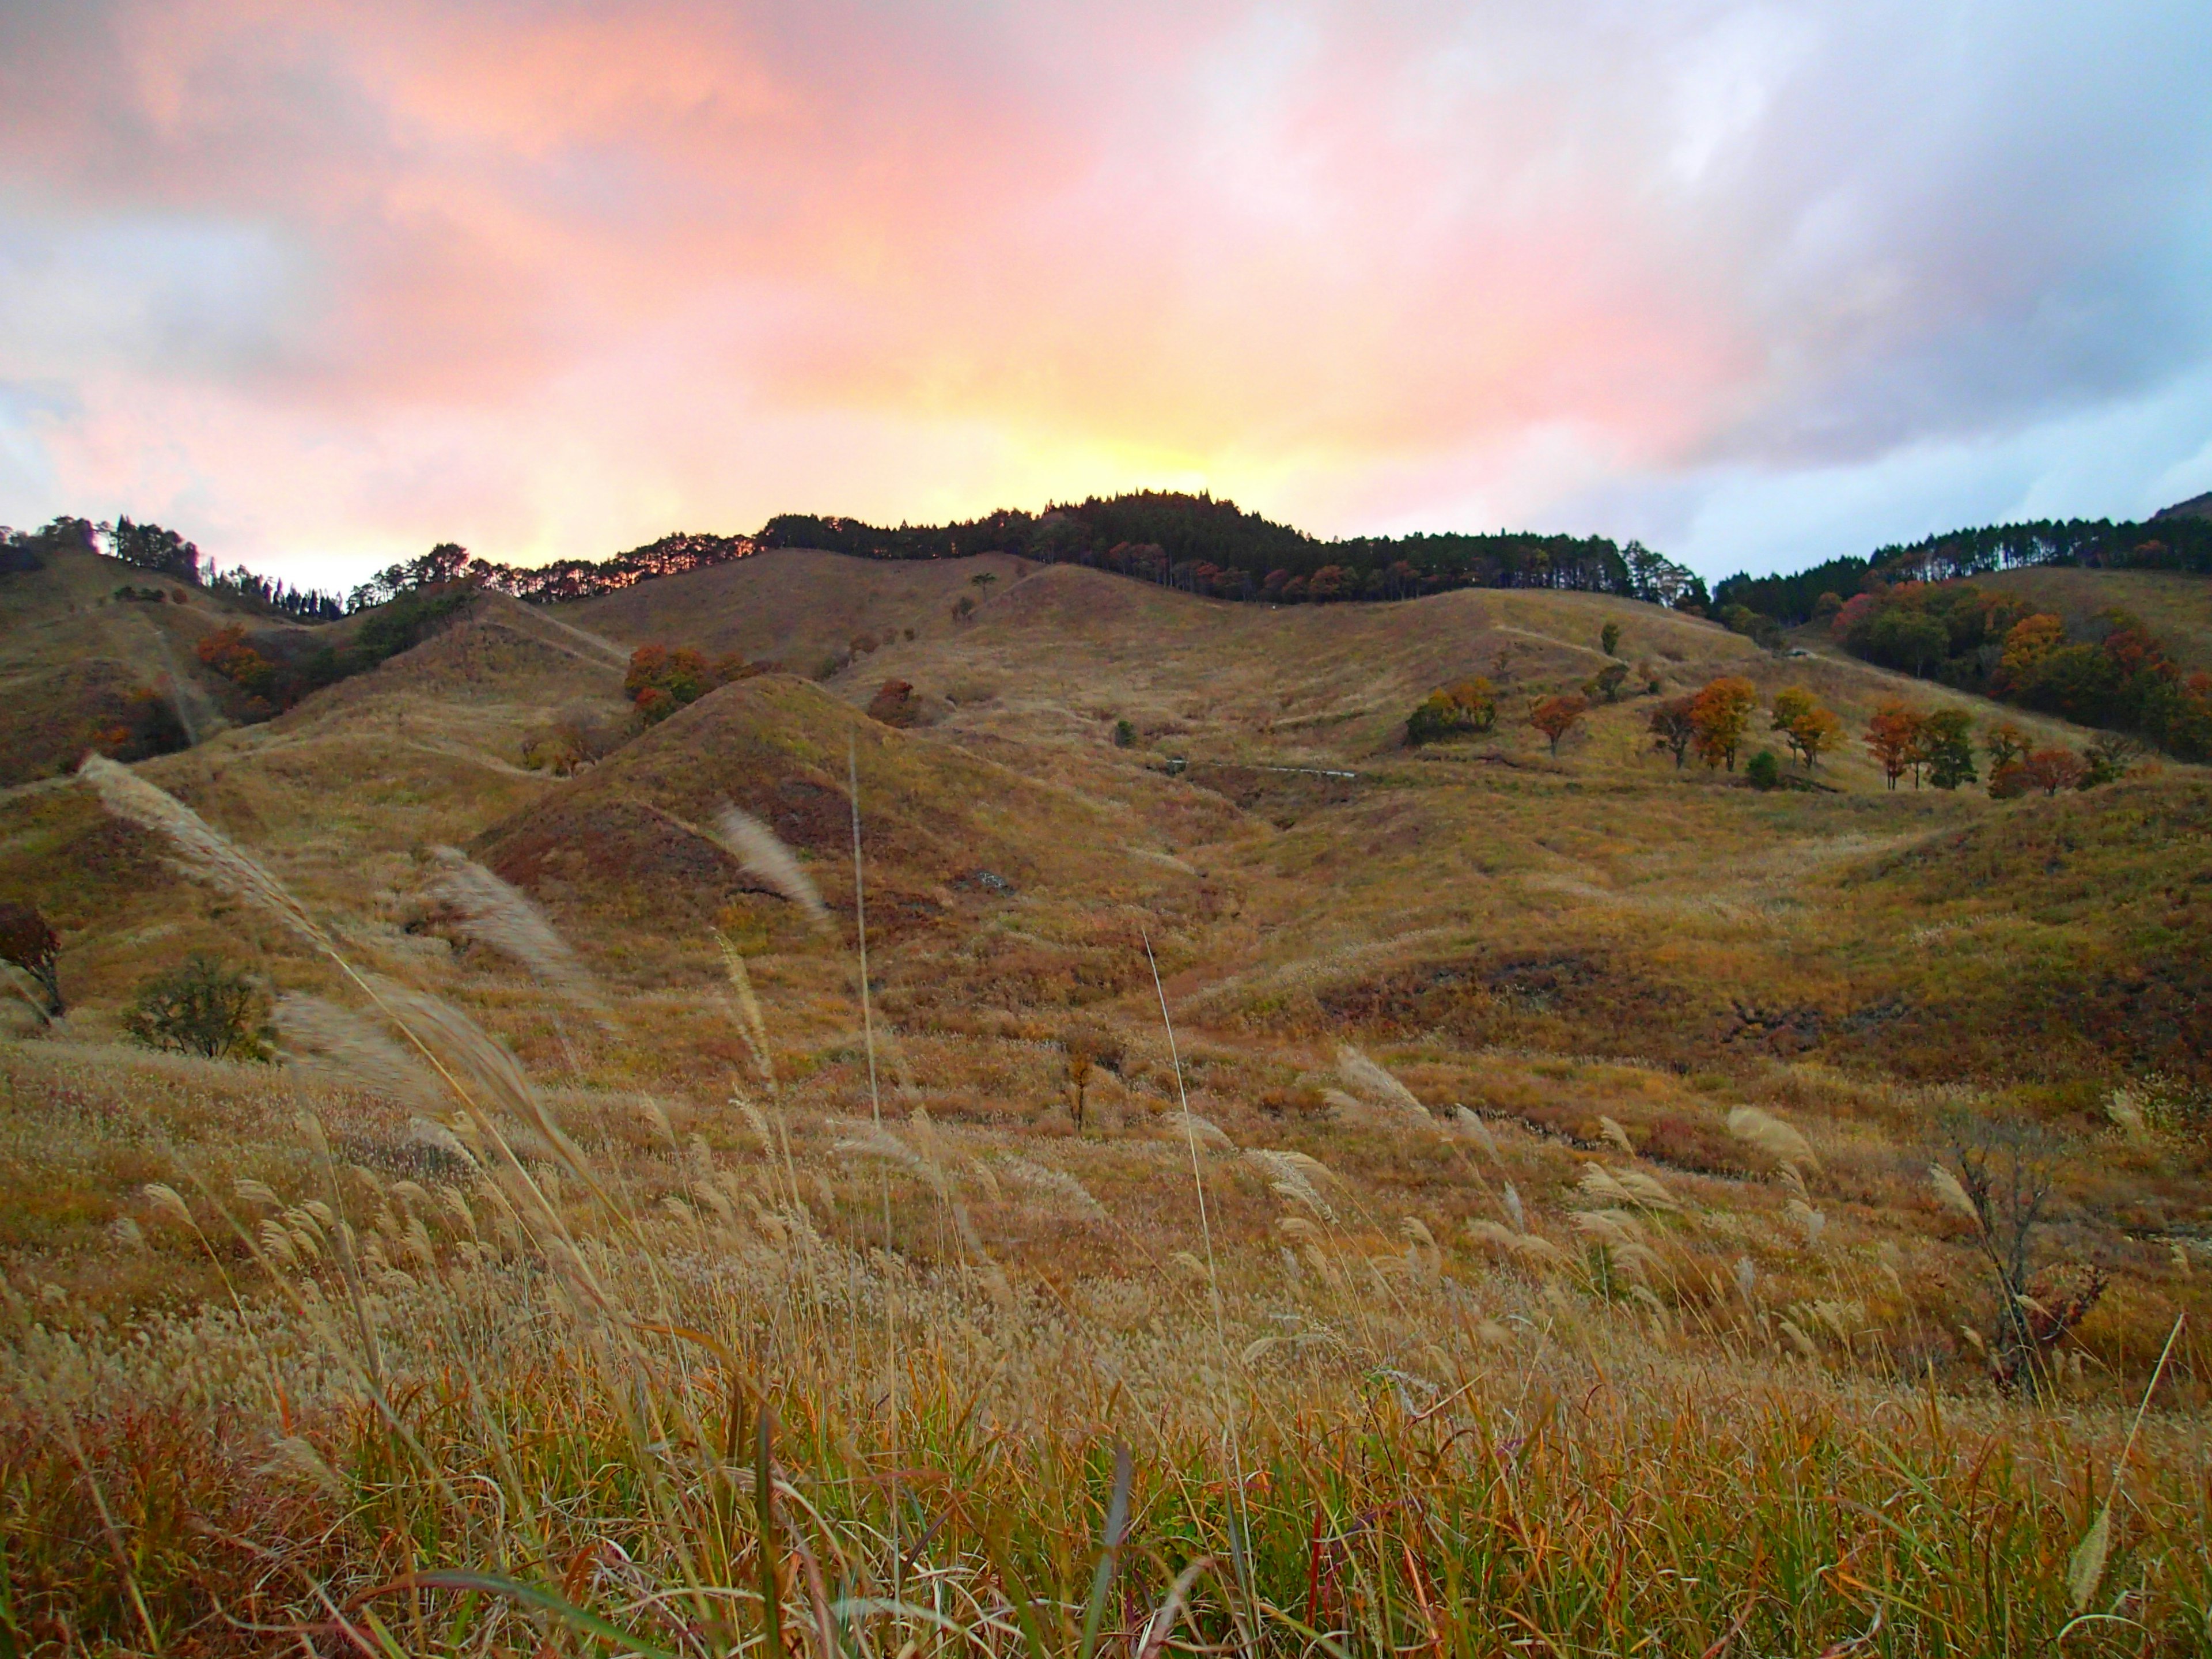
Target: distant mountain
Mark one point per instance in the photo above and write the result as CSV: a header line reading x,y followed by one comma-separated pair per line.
x,y
2196,506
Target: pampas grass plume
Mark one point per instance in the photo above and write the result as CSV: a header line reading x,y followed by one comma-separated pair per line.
x,y
766,859
1768,1133
1363,1077
499,915
201,850
321,1036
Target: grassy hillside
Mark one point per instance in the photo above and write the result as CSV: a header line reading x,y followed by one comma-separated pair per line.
x,y
1522,1233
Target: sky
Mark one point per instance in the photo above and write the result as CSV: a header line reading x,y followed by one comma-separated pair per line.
x,y
319,284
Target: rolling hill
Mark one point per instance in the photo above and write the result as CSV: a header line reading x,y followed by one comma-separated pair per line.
x,y
1544,1078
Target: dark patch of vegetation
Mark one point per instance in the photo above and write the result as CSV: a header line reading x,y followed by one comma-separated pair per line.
x,y
2122,676
273,672
1467,707
204,1006
2181,542
1205,546
149,547
27,939
28,549
665,678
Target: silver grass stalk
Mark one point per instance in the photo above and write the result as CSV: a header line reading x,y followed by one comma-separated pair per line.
x,y
766,859
1289,1180
1480,1131
500,916
754,1028
463,1046
1777,1139
1057,1183
1196,1127
1363,1077
202,853
319,1035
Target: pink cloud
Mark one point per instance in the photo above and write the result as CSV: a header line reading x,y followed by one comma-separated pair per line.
x,y
553,278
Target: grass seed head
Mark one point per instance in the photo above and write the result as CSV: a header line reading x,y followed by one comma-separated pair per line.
x,y
500,916
1770,1134
765,857
203,851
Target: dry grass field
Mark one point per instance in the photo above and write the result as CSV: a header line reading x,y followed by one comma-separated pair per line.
x,y
1499,1219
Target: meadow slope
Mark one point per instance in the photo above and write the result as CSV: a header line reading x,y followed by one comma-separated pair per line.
x,y
1498,1218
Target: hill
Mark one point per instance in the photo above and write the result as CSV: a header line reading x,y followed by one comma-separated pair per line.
x,y
1535,1123
90,646
2177,606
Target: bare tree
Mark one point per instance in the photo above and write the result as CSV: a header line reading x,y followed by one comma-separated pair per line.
x,y
1999,1174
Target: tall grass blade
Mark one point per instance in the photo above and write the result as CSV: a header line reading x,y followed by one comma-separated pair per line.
x,y
764,1501
1109,1553
2085,1569
528,1595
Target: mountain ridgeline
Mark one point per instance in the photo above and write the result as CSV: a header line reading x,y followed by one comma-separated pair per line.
x,y
1191,543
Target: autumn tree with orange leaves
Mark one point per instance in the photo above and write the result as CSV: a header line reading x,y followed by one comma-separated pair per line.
x,y
1556,716
1809,728
1893,739
1720,713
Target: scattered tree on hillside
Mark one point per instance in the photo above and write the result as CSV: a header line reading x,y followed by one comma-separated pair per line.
x,y
1892,737
664,678
1809,729
1608,639
226,652
579,736
1998,1175
1556,716
28,940
2006,744
1763,771
1947,744
1673,727
204,1006
963,608
982,582
2053,769
895,704
1719,714
2110,757
152,548
1466,706
1607,681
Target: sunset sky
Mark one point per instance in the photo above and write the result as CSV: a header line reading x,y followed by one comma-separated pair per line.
x,y
319,284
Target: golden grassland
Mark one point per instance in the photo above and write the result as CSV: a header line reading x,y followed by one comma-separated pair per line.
x,y
1487,1335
